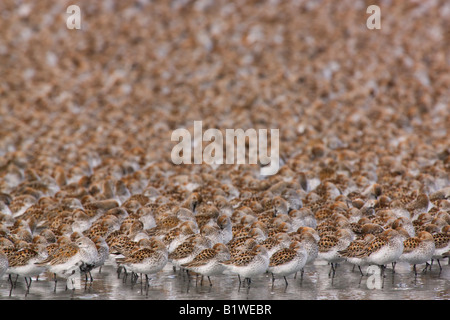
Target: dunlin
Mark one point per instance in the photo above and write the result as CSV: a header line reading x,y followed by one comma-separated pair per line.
x,y
70,257
164,225
192,201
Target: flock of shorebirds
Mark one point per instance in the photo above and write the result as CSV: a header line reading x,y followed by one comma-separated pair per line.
x,y
213,223
86,118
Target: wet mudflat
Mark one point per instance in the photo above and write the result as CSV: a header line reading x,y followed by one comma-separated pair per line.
x,y
315,285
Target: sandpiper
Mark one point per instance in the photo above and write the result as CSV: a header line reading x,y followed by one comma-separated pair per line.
x,y
207,262
249,264
287,261
69,258
330,245
418,250
146,260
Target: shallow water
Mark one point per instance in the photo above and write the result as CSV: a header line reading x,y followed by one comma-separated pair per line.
x,y
175,285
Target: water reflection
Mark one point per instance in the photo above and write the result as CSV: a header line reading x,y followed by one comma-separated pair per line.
x,y
176,285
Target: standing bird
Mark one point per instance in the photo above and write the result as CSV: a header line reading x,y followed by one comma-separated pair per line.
x,y
102,252
226,230
287,261
146,260
23,263
385,248
308,239
442,245
70,258
418,250
208,261
330,245
249,264
188,250
354,251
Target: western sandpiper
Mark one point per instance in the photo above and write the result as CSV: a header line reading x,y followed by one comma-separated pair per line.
x,y
225,225
277,242
146,260
442,245
102,250
418,250
207,262
188,250
309,240
353,252
23,263
303,217
287,261
330,245
384,249
249,264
